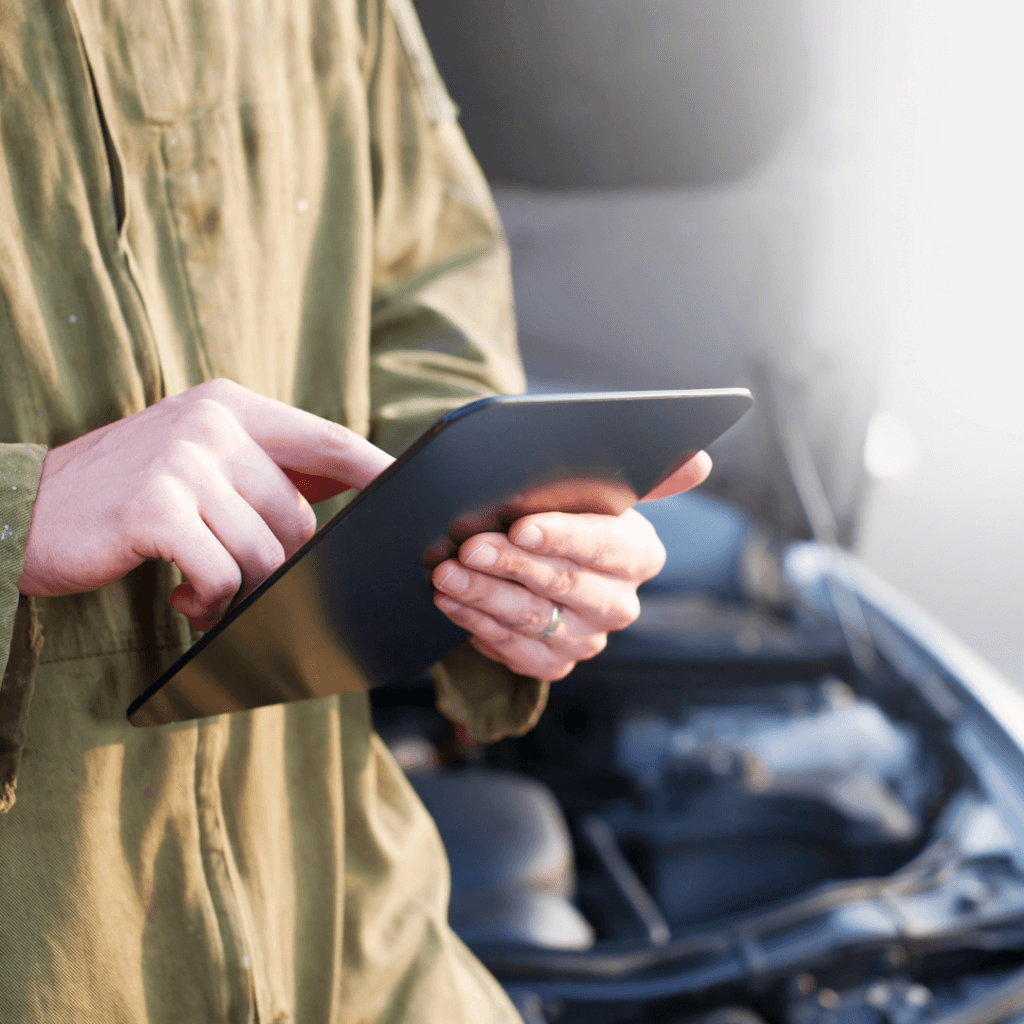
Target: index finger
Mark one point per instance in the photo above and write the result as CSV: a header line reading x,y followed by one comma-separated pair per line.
x,y
300,441
625,546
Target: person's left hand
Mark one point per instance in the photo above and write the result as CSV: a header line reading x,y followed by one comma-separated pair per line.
x,y
504,589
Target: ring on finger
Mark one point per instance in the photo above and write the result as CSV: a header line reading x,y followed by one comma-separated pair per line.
x,y
556,621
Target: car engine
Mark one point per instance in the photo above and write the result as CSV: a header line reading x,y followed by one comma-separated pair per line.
x,y
724,819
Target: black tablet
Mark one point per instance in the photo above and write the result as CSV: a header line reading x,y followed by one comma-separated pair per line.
x,y
354,607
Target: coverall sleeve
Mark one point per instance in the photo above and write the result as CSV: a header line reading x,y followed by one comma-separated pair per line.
x,y
21,466
442,324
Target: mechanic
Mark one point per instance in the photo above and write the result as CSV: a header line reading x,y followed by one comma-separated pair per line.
x,y
224,234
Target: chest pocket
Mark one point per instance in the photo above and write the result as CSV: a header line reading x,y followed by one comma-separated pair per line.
x,y
228,93
181,55
234,195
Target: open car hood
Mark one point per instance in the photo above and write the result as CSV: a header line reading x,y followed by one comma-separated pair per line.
x,y
729,812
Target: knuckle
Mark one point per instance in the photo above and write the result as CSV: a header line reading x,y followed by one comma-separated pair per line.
x,y
657,557
625,613
207,420
308,526
305,522
649,552
595,644
154,507
608,549
536,620
558,586
638,523
155,492
526,623
650,544
479,588
509,619
459,614
183,458
217,584
337,438
218,389
268,557
559,670
208,409
502,640
224,586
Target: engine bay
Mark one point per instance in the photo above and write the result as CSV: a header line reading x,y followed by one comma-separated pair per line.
x,y
769,801
796,844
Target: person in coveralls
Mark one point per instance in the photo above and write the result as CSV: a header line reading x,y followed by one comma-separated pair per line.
x,y
245,253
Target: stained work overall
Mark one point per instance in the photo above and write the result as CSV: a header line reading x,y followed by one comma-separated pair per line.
x,y
193,189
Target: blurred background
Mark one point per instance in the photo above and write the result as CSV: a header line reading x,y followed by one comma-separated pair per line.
x,y
819,200
950,533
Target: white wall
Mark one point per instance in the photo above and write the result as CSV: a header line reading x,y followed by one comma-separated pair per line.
x,y
948,167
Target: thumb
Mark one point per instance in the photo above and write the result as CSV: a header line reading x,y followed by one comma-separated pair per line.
x,y
692,472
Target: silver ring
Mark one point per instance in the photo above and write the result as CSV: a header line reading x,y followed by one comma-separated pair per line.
x,y
556,620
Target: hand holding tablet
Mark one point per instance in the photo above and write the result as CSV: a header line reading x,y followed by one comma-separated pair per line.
x,y
355,607
205,479
546,595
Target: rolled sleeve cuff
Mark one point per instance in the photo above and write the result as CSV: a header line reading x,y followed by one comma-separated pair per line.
x,y
487,699
21,466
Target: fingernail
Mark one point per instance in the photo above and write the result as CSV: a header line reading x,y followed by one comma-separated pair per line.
x,y
484,555
455,579
446,604
530,537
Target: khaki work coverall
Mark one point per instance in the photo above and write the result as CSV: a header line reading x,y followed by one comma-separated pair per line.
x,y
276,193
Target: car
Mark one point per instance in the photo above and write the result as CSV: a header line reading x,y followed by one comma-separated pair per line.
x,y
783,795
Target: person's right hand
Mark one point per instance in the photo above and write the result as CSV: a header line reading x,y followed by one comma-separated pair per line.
x,y
217,480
